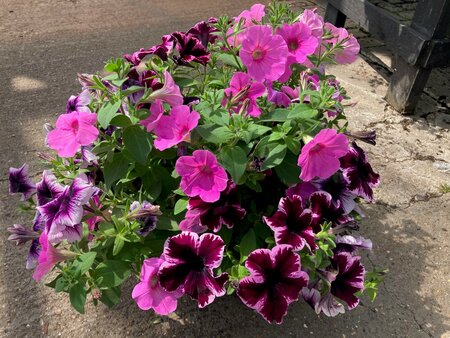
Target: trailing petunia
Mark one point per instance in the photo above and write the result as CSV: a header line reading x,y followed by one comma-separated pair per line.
x,y
203,31
48,188
201,175
79,102
20,183
246,19
190,49
169,92
72,131
149,294
325,210
189,260
346,46
156,112
145,213
275,281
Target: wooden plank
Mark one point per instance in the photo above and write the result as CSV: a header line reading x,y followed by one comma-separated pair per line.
x,y
437,54
334,16
402,39
432,18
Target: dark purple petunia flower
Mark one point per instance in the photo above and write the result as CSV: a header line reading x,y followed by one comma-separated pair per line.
x,y
48,188
349,278
146,213
146,78
19,182
190,49
358,173
204,32
64,213
79,102
275,282
302,189
292,224
162,50
337,187
21,234
350,244
323,209
226,211
189,260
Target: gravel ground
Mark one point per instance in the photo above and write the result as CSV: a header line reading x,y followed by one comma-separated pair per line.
x,y
44,43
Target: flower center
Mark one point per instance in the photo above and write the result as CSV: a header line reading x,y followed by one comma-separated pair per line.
x,y
205,169
293,45
316,148
257,54
75,126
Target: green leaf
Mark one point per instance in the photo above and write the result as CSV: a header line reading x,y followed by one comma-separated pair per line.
x,y
289,171
110,297
234,161
248,244
292,144
257,130
106,113
277,115
61,284
121,120
102,147
212,134
180,206
166,223
77,295
84,262
138,142
275,157
115,170
119,241
111,273
229,60
302,111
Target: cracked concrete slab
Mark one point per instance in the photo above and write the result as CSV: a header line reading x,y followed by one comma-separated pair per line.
x,y
44,45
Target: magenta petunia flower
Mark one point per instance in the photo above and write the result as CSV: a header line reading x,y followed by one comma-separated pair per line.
x,y
156,112
169,93
299,40
242,88
79,103
275,281
263,54
49,257
358,173
64,213
148,293
247,18
320,156
201,175
348,45
189,260
20,183
176,127
292,224
314,21
72,131
202,215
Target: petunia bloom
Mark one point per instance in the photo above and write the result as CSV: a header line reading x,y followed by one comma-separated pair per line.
x,y
275,281
263,54
79,102
314,21
279,98
358,172
20,183
320,156
204,31
325,210
162,50
246,19
202,215
148,293
176,127
201,175
63,214
292,224
48,188
346,46
72,131
190,49
21,234
299,40
169,93
189,260
351,244
145,213
337,187
156,112
243,88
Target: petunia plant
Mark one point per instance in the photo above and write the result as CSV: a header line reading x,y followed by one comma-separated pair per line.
x,y
216,162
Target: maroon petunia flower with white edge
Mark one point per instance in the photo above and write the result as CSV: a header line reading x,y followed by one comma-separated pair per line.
x,y
292,224
275,282
189,260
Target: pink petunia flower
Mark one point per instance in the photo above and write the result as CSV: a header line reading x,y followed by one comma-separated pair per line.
x,y
320,156
149,294
49,257
176,127
247,19
169,93
314,21
156,112
263,54
242,88
201,175
299,39
349,46
72,131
